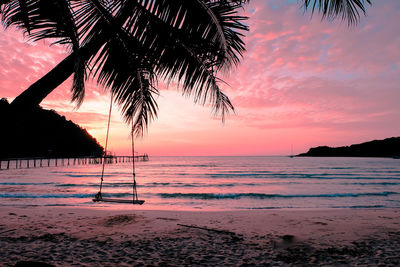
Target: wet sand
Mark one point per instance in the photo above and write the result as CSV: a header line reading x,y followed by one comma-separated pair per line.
x,y
81,237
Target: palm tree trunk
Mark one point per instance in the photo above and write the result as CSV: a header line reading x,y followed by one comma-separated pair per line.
x,y
35,93
39,90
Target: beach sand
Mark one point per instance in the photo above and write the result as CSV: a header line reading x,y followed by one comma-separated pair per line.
x,y
91,237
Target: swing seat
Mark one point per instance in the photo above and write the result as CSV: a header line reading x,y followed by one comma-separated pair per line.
x,y
117,200
99,197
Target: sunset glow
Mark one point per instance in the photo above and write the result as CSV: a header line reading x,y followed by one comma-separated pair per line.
x,y
303,82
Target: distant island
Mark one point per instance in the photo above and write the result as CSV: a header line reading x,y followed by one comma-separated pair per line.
x,y
389,147
42,133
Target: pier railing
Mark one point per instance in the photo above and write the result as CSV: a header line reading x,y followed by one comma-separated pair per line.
x,y
37,162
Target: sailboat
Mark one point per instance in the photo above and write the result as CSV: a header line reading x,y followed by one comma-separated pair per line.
x,y
291,152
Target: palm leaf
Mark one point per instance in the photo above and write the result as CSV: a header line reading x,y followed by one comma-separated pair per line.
x,y
187,41
153,39
348,10
49,19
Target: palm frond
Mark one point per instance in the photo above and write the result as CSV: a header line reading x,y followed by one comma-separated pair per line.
x,y
223,105
348,10
43,19
142,104
49,19
126,79
152,38
185,41
78,84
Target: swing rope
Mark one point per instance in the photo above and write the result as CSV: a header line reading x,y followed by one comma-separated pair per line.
x,y
135,199
98,195
134,193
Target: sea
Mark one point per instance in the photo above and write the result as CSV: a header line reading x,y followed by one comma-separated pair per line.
x,y
212,184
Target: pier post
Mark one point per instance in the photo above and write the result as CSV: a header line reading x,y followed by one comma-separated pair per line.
x,y
41,161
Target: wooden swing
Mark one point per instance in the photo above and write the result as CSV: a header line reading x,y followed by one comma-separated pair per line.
x,y
99,197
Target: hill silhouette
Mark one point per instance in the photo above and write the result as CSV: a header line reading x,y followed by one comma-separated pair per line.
x,y
36,132
389,147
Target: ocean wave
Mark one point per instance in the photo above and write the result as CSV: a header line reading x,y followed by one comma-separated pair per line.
x,y
162,184
97,185
372,183
86,175
317,176
360,207
7,183
268,196
21,195
338,168
198,184
77,185
212,165
334,207
261,208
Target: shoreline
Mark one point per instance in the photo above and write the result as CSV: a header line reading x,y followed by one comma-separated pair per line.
x,y
65,236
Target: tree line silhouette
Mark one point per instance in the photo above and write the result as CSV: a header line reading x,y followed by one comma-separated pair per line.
x,y
42,133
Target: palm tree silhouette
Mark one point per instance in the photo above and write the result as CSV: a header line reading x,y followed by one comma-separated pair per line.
x,y
127,45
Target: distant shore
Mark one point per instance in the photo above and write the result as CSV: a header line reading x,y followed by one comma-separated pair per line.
x,y
37,132
386,148
76,236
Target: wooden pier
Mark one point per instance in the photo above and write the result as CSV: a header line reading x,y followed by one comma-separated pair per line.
x,y
37,162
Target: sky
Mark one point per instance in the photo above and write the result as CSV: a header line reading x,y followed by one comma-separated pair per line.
x,y
302,83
